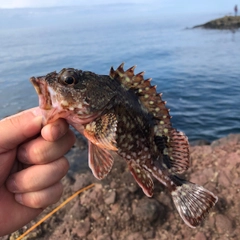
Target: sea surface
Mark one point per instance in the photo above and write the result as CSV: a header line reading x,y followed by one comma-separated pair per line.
x,y
198,71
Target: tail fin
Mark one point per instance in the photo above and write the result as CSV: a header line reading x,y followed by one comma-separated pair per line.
x,y
193,202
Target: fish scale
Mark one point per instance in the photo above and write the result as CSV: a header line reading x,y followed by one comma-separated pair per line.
x,y
123,113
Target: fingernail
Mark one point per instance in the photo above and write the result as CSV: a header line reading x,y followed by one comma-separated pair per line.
x,y
56,131
22,154
18,198
12,186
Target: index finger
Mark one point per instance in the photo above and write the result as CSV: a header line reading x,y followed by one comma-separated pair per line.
x,y
18,128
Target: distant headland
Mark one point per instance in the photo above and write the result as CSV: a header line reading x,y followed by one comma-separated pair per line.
x,y
227,22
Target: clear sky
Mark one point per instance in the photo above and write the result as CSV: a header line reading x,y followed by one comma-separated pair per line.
x,y
225,6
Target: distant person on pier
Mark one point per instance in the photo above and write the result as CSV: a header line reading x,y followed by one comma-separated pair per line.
x,y
236,10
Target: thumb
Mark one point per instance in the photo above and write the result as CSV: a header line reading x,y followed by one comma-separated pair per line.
x,y
18,128
13,131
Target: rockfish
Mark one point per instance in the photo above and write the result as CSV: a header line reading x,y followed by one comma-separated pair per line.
x,y
122,113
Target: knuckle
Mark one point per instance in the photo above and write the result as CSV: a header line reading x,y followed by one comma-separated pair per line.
x,y
36,200
45,197
38,154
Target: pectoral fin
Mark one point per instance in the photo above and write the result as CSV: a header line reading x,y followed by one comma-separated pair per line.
x,y
102,131
100,160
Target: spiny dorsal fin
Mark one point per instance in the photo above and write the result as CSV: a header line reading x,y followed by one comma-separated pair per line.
x,y
147,95
175,143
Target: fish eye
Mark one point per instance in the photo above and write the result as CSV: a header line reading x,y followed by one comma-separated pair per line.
x,y
69,80
68,77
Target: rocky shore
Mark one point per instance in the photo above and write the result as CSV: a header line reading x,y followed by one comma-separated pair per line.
x,y
116,207
227,22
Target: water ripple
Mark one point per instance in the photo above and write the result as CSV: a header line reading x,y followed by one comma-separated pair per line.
x,y
197,71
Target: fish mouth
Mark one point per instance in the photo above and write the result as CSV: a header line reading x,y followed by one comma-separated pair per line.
x,y
42,91
48,112
51,110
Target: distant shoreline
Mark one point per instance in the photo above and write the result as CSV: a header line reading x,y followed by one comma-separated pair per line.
x,y
224,23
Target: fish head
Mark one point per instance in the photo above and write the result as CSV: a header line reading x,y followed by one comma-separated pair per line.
x,y
72,94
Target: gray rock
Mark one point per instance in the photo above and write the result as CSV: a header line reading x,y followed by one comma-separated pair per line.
x,y
147,209
110,197
223,224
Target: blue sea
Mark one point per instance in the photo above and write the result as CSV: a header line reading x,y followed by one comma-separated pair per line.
x,y
198,71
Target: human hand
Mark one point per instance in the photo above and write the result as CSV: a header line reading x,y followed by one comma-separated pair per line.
x,y
31,166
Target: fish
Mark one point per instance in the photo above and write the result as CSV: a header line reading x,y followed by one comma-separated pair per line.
x,y
122,113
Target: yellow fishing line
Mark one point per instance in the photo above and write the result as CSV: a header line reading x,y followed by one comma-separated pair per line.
x,y
55,210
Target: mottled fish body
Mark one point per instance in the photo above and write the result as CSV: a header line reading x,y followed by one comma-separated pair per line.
x,y
121,112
